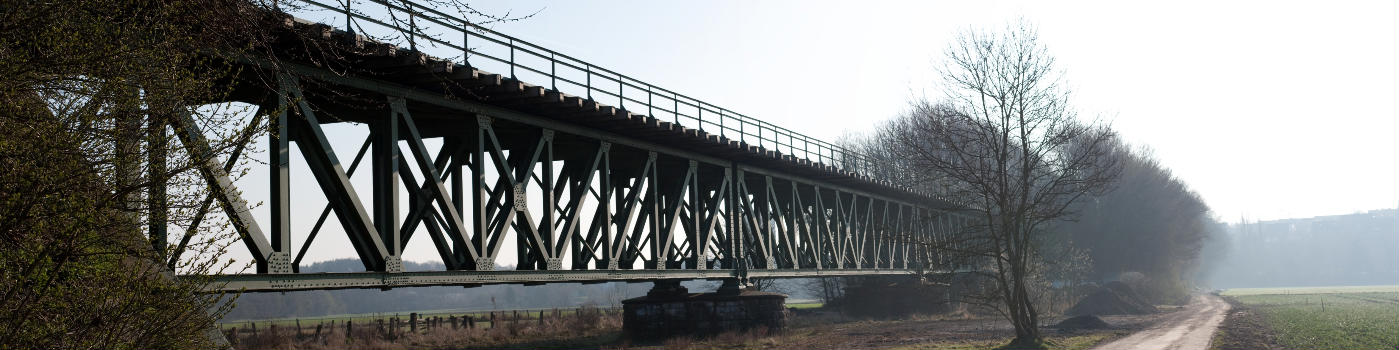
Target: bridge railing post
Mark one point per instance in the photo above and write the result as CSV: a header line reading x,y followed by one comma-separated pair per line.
x,y
791,144
721,124
742,135
699,113
349,18
760,136
806,147
465,44
412,27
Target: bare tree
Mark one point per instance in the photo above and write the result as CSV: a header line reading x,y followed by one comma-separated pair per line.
x,y
1007,143
770,285
829,288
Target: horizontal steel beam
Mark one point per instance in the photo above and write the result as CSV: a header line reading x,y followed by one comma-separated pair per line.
x,y
380,280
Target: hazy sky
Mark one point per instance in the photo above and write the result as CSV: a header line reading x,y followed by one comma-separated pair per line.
x,y
1267,109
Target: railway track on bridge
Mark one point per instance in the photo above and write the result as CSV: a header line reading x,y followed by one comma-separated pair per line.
x,y
672,188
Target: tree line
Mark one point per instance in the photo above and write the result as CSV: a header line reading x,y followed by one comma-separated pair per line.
x,y
1059,200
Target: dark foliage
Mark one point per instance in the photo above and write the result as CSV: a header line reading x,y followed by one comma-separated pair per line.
x,y
78,79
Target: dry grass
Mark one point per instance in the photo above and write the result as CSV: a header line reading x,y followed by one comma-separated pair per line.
x,y
817,328
759,338
1052,342
585,329
917,333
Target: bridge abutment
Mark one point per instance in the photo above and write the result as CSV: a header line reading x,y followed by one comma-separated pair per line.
x,y
669,309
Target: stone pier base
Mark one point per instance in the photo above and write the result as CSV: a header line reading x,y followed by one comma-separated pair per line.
x,y
670,310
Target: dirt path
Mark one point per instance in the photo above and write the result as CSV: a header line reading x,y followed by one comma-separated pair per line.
x,y
1191,328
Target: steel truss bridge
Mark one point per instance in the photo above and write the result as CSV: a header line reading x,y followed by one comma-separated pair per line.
x,y
660,186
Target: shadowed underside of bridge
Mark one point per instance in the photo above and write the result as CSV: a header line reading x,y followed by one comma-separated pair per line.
x,y
587,192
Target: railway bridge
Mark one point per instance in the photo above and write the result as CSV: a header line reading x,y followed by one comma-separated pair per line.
x,y
593,175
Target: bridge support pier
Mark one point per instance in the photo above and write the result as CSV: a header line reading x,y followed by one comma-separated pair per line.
x,y
669,309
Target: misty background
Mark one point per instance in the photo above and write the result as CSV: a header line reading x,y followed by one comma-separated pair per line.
x,y
1335,250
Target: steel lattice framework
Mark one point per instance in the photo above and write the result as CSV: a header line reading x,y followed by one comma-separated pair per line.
x,y
587,192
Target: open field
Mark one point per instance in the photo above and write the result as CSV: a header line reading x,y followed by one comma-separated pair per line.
x,y
1310,290
1314,318
926,332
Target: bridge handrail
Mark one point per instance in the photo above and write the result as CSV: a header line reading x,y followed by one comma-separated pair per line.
x,y
742,127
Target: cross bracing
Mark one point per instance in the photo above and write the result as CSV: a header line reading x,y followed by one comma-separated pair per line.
x,y
587,192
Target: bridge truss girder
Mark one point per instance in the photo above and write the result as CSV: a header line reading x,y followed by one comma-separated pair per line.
x,y
583,204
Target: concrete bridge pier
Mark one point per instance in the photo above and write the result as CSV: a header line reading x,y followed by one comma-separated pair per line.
x,y
669,309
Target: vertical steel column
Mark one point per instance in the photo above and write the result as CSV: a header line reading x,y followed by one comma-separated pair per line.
x,y
841,236
935,242
572,232
458,157
126,156
735,222
608,260
384,167
794,231
821,230
478,203
903,234
547,231
521,164
696,218
156,202
458,196
278,151
943,240
517,165
652,204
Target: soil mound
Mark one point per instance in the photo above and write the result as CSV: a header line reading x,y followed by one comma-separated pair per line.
x,y
1081,322
1114,298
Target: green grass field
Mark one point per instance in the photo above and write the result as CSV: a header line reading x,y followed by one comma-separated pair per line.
x,y
1328,317
1311,290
